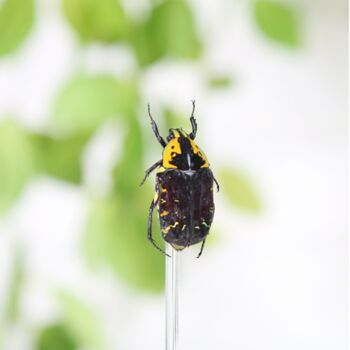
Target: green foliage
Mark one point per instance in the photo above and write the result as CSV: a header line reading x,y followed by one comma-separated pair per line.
x,y
117,237
55,337
16,162
87,101
130,167
117,226
81,322
96,20
24,154
238,190
14,293
277,21
220,82
174,119
16,21
168,32
60,157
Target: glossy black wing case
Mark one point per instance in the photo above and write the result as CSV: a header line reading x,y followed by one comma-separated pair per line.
x,y
186,205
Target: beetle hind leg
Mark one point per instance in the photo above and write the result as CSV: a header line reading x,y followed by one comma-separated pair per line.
x,y
216,183
202,248
149,236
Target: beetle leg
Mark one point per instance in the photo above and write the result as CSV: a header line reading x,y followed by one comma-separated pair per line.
x,y
193,122
216,183
202,247
149,170
150,217
155,128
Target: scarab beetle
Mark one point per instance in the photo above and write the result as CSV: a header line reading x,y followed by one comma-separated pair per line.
x,y
184,189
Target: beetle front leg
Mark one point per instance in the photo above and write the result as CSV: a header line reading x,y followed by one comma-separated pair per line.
x,y
155,128
193,122
150,219
149,170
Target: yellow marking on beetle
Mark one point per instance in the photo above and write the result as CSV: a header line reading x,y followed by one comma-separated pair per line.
x,y
172,148
163,190
198,151
160,169
162,200
183,227
167,229
155,197
164,213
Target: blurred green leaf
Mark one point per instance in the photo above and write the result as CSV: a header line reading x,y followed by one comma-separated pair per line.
x,y
117,237
128,172
239,190
96,20
219,82
55,337
278,21
168,32
16,21
14,293
117,227
16,162
60,158
81,322
87,101
174,119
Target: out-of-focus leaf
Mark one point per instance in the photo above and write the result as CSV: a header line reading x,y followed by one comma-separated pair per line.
x,y
14,293
117,227
60,158
87,101
117,237
239,190
175,120
96,20
278,21
16,21
55,337
16,162
81,322
168,32
219,82
130,167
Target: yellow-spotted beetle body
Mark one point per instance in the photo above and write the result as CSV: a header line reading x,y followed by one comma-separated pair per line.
x,y
184,189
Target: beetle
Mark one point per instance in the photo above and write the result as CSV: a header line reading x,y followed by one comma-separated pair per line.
x,y
184,189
